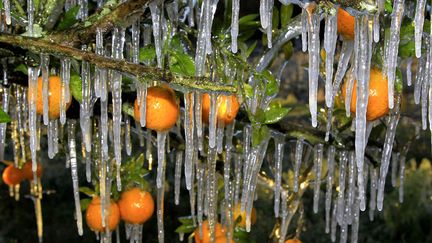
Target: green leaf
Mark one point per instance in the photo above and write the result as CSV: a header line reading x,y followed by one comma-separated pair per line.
x,y
251,48
274,114
147,54
22,68
248,90
182,63
259,134
248,19
86,190
75,85
128,109
85,203
186,220
69,18
4,117
186,229
272,86
286,14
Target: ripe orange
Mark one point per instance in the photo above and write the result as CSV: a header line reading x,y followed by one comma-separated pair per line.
x,y
378,95
293,241
219,233
224,113
12,175
238,213
94,215
28,173
162,109
54,91
136,206
222,239
345,24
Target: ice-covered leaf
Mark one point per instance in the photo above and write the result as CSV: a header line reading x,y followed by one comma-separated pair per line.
x,y
69,18
274,114
75,86
147,54
22,68
182,64
285,14
259,133
249,19
88,191
85,203
4,117
185,229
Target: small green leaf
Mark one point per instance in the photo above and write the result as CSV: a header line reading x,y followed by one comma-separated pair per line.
x,y
186,229
75,85
85,203
259,134
286,14
69,18
22,68
4,117
89,192
251,48
247,19
248,90
186,220
182,63
274,114
147,54
128,109
272,86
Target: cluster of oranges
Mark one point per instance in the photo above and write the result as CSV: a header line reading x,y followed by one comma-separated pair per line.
x,y
134,207
162,108
13,176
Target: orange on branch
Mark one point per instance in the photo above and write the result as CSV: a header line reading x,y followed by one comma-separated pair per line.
x,y
219,232
94,215
345,24
293,241
228,107
162,109
136,206
238,213
12,175
54,97
28,172
378,95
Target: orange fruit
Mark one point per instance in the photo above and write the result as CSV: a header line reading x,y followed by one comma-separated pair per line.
x,y
162,109
94,215
28,173
54,91
378,95
224,113
136,206
345,24
293,241
12,175
219,233
238,213
222,239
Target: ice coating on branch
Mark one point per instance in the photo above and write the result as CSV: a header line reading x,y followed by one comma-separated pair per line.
x,y
278,158
65,93
156,15
189,138
85,106
128,144
363,63
328,196
386,154
74,172
418,26
317,167
401,178
161,142
343,160
393,48
32,86
177,176
235,24
330,39
45,85
297,162
314,59
373,191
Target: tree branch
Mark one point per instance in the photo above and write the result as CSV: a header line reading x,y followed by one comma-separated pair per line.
x,y
143,73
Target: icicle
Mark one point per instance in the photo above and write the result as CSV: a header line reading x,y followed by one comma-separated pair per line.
x,y
160,199
298,160
177,177
161,141
376,28
235,24
128,144
156,15
149,155
328,196
341,195
349,91
386,153
278,158
421,72
45,85
198,120
32,84
104,128
408,71
74,171
363,63
211,192
394,164
334,220
355,224
65,93
220,132
314,57
52,138
200,193
330,39
87,159
238,175
304,33
189,137
351,189
393,48
6,5
317,168
418,26
135,41
99,72
192,194
424,93
401,178
86,105
213,120
5,107
30,17
270,22
373,187
83,11
264,17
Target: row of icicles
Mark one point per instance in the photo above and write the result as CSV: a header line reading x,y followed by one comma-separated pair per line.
x,y
366,31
